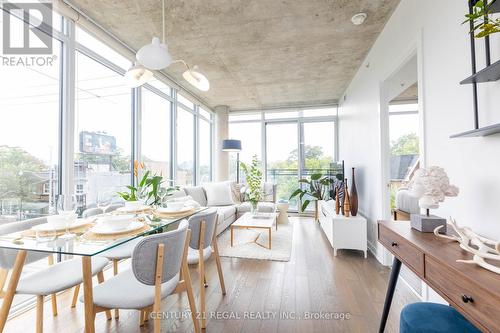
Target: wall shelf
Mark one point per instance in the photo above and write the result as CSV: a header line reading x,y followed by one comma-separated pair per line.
x,y
483,131
488,74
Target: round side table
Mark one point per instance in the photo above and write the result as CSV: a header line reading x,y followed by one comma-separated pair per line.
x,y
283,212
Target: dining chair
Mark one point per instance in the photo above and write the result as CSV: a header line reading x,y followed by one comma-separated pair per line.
x,y
120,252
49,281
203,242
159,269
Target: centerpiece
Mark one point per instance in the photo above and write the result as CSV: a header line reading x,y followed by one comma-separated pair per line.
x,y
253,177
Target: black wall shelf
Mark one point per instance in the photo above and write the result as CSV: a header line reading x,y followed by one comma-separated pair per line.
x,y
488,74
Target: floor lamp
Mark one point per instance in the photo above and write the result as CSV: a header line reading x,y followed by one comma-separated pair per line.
x,y
231,145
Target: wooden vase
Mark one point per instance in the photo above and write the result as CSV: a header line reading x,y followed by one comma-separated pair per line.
x,y
354,196
347,202
337,201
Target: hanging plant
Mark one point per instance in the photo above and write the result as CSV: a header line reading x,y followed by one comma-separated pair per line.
x,y
483,24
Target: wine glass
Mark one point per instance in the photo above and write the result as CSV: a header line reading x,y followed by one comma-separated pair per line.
x,y
67,206
104,200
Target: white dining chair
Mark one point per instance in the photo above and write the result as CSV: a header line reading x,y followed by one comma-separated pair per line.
x,y
48,281
201,246
159,269
117,253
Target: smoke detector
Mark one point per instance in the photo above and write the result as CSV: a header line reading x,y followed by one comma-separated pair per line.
x,y
359,18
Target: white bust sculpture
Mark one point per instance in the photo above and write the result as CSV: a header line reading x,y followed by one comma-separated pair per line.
x,y
431,186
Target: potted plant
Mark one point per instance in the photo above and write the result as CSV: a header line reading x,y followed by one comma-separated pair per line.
x,y
316,189
482,21
253,176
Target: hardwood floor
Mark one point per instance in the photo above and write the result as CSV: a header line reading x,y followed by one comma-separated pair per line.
x,y
313,283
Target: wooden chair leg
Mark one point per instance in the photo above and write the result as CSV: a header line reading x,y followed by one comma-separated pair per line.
x,y
189,291
88,295
219,266
141,318
205,284
158,280
53,297
75,296
11,288
39,313
115,272
3,277
100,279
201,267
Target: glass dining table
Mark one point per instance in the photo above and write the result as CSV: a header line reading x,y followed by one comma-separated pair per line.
x,y
78,245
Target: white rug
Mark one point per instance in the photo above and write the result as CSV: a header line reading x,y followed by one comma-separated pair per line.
x,y
244,247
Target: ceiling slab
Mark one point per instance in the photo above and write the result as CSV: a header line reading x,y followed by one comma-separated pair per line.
x,y
256,53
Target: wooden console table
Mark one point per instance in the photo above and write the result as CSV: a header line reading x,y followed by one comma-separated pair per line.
x,y
472,290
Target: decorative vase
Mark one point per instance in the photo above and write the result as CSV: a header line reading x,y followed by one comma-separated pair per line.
x,y
347,203
337,201
354,196
253,208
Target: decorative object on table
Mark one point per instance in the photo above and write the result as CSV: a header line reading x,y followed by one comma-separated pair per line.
x,y
231,145
337,201
480,19
317,189
354,196
253,176
347,202
431,185
282,207
481,247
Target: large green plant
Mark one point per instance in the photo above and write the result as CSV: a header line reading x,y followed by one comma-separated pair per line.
x,y
316,188
482,20
253,176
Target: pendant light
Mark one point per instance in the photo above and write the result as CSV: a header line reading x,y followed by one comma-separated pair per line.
x,y
155,55
196,79
137,75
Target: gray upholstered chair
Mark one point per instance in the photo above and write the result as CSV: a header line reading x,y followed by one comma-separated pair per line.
x,y
159,269
49,281
115,254
203,242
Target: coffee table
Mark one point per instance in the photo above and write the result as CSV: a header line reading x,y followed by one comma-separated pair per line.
x,y
258,221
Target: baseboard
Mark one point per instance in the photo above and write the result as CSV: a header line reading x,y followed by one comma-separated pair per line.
x,y
373,249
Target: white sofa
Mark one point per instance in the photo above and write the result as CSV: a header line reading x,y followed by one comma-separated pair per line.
x,y
229,213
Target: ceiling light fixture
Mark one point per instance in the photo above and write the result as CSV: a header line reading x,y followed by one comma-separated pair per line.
x,y
196,78
155,55
359,18
137,75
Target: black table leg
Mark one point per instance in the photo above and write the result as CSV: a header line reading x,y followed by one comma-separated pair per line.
x,y
396,266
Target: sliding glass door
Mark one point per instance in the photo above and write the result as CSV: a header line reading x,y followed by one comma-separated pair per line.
x,y
295,150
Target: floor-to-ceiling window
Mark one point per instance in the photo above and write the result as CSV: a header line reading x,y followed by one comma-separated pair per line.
x,y
29,137
185,148
298,143
155,132
205,146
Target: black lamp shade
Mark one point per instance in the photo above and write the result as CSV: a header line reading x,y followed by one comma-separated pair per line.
x,y
231,145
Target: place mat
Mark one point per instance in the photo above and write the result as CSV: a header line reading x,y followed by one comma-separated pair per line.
x,y
91,236
30,233
172,215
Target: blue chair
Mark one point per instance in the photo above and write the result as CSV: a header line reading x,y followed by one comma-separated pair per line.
x,y
433,318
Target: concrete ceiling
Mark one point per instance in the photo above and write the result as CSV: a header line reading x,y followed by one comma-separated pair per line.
x,y
410,94
256,53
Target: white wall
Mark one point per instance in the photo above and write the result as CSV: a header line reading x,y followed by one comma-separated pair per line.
x,y
433,29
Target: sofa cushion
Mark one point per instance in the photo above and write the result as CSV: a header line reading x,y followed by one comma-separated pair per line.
x,y
218,194
262,207
225,212
267,192
197,193
236,192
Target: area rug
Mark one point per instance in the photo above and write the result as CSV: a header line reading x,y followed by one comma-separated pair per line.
x,y
244,247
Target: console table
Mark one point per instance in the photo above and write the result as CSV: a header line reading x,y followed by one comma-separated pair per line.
x,y
472,290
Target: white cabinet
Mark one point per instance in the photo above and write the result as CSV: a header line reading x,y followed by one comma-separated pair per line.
x,y
342,232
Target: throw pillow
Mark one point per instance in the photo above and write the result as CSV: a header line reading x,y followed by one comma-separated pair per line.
x,y
218,194
236,192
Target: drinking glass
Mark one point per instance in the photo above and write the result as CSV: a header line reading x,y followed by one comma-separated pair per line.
x,y
67,206
44,236
104,200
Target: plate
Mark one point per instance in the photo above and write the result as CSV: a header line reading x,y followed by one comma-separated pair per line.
x,y
132,209
48,227
172,211
104,230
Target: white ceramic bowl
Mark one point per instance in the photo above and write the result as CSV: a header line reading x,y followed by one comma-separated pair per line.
x,y
57,221
175,206
116,222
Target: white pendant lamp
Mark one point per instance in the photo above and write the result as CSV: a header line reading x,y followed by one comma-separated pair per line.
x,y
155,55
197,79
137,75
